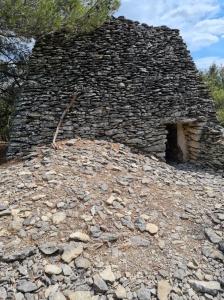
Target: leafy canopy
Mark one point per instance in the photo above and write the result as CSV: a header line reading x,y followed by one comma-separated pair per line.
x,y
32,18
214,78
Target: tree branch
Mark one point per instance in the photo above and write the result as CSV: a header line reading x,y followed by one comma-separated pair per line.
x,y
69,106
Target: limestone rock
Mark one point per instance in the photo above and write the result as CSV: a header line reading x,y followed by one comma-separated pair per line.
x,y
6,212
99,284
164,289
79,295
58,217
19,255
144,294
212,236
120,292
80,236
71,252
152,228
58,296
209,287
52,269
26,287
108,275
82,263
48,248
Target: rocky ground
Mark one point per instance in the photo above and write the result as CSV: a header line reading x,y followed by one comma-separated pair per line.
x,y
94,221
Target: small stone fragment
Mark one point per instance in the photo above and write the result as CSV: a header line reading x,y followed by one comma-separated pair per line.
x,y
6,212
38,197
48,248
20,255
26,287
144,294
99,284
164,289
79,295
19,296
138,241
152,228
108,275
120,292
16,224
212,253
67,270
58,217
161,244
80,236
111,199
53,269
212,236
3,293
82,263
109,237
3,207
71,252
58,296
209,287
50,291
221,246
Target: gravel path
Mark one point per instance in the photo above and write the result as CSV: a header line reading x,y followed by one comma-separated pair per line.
x,y
93,220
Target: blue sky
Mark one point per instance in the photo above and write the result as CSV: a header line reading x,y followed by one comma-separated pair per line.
x,y
201,23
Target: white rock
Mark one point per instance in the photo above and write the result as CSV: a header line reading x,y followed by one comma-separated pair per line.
x,y
58,217
38,197
17,224
145,217
152,228
164,288
87,218
107,275
80,236
111,199
58,296
51,290
52,269
120,292
82,295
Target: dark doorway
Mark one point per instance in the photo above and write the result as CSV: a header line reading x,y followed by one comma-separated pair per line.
x,y
173,151
3,149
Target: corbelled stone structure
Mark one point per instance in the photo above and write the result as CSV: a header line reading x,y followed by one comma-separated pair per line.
x,y
141,88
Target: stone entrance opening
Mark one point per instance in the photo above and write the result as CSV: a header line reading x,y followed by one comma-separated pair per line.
x,y
183,140
173,150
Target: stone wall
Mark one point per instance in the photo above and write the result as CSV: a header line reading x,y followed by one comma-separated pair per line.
x,y
136,79
212,146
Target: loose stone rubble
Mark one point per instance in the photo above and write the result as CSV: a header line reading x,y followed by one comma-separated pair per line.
x,y
93,221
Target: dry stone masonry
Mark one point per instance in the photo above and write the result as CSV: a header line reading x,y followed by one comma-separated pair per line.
x,y
141,88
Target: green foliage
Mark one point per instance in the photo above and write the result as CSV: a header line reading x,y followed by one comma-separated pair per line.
x,y
214,78
32,18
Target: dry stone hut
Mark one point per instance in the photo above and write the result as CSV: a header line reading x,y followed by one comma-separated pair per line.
x,y
141,88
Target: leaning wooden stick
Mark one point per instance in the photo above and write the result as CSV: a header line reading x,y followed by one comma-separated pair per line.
x,y
69,106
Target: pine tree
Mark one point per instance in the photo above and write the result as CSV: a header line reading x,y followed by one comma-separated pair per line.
x,y
32,18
